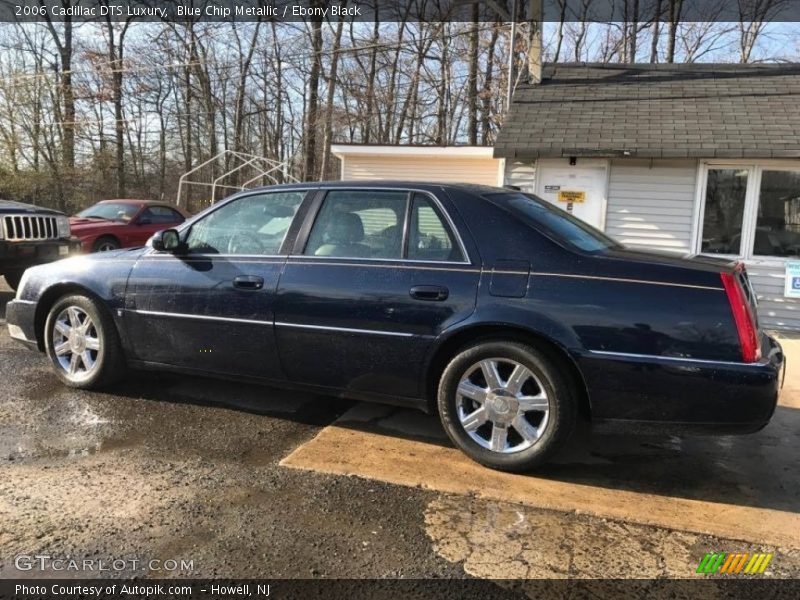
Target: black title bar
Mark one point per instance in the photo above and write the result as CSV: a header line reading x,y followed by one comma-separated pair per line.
x,y
603,11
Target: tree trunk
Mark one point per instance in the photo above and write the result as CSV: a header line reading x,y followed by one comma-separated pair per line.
x,y
488,80
115,60
309,168
656,32
472,90
675,7
371,79
332,74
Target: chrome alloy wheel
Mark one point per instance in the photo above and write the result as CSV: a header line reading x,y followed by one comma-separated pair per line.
x,y
502,405
76,343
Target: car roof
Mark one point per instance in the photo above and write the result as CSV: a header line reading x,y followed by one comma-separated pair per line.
x,y
134,201
381,183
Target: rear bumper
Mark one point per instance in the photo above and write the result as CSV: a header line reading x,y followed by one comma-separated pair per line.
x,y
666,393
21,320
21,255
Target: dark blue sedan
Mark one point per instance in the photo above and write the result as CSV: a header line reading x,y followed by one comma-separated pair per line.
x,y
507,316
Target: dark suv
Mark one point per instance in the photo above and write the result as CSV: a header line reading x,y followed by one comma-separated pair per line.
x,y
30,235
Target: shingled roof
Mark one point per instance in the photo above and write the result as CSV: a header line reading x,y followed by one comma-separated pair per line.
x,y
685,110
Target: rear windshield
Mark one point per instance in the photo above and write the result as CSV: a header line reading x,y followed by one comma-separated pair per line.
x,y
559,224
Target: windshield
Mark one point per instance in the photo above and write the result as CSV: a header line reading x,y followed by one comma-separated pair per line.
x,y
557,223
112,211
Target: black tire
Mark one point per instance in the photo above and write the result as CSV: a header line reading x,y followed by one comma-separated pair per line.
x,y
13,278
106,244
109,361
561,399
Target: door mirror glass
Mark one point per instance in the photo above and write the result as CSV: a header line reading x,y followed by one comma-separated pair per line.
x,y
166,241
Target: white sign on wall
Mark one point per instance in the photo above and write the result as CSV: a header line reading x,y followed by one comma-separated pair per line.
x,y
792,288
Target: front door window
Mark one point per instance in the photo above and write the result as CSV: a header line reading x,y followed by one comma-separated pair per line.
x,y
254,224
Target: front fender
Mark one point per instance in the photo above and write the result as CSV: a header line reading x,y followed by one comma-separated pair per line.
x,y
104,278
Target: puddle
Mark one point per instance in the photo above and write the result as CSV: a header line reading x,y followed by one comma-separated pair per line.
x,y
70,428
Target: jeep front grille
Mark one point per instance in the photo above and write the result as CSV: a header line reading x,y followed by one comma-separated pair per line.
x,y
29,227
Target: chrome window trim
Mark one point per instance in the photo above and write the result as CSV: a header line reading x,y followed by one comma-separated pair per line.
x,y
312,258
395,264
206,256
705,361
467,258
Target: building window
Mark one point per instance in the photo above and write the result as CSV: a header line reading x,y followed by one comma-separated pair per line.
x,y
777,230
726,190
751,211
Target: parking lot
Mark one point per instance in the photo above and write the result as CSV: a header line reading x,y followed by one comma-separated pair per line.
x,y
242,481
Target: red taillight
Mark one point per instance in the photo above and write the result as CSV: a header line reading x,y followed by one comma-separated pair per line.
x,y
743,317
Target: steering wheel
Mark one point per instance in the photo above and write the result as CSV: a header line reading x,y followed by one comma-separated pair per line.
x,y
245,242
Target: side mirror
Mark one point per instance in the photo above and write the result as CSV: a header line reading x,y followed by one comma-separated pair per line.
x,y
166,241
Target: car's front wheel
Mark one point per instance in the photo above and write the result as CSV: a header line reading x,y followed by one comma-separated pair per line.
x,y
82,341
507,405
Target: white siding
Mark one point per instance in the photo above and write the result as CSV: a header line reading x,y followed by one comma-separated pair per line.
x,y
521,174
651,205
362,167
774,310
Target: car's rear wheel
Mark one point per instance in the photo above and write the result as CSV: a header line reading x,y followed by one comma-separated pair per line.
x,y
83,344
13,278
507,405
106,244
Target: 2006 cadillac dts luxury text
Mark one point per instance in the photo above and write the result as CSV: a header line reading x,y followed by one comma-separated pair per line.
x,y
508,317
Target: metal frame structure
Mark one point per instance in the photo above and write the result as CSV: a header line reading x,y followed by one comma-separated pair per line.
x,y
265,167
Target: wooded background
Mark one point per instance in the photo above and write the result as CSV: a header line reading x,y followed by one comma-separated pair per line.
x,y
121,109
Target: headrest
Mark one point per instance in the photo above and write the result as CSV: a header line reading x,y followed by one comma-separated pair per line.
x,y
346,228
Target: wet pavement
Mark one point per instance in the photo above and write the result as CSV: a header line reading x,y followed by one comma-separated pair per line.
x,y
173,467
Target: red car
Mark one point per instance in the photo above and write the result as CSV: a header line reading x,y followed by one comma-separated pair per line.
x,y
113,224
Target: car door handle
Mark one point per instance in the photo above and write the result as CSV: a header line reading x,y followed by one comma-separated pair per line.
x,y
435,293
248,282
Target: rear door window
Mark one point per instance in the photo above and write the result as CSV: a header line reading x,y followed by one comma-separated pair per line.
x,y
359,224
429,238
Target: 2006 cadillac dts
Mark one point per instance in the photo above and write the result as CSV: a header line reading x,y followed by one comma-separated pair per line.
x,y
503,313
